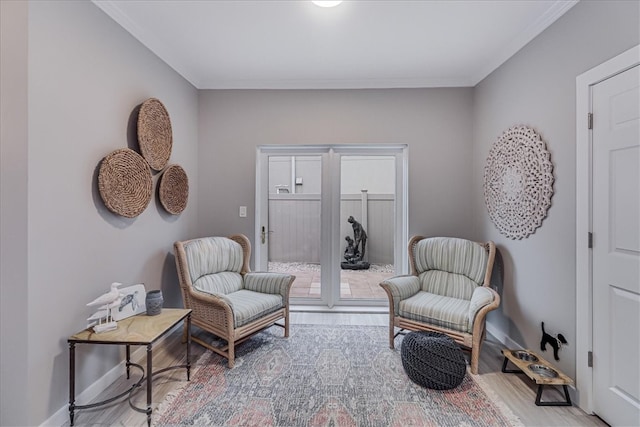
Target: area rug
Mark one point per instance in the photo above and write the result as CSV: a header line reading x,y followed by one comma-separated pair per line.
x,y
323,376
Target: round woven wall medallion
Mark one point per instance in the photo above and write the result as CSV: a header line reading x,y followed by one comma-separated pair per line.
x,y
518,182
154,133
125,182
174,189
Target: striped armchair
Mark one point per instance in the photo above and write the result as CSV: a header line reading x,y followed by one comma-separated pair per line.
x,y
448,291
226,299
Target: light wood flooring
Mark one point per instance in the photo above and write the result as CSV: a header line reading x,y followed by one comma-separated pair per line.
x,y
517,391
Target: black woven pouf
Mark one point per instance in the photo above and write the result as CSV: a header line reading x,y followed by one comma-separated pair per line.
x,y
433,360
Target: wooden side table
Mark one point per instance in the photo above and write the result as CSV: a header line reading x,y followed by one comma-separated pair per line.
x,y
135,330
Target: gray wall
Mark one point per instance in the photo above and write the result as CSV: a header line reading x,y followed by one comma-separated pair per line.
x,y
86,75
536,87
434,123
14,402
70,79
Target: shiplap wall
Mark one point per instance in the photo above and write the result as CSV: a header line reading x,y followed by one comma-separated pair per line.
x,y
294,226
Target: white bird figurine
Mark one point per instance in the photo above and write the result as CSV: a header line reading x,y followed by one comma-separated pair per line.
x,y
107,298
106,303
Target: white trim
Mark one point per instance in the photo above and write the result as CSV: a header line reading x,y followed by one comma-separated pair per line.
x,y
364,83
555,11
354,309
584,326
61,416
175,60
503,338
154,44
330,244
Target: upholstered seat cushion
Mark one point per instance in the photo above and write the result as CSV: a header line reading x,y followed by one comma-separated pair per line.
x,y
438,310
219,283
248,305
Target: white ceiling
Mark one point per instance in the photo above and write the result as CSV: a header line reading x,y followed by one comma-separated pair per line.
x,y
268,44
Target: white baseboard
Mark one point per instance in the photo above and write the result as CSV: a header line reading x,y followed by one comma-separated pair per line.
x,y
61,416
339,309
502,338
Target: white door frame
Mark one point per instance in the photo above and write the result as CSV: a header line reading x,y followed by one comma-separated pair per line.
x,y
584,226
330,244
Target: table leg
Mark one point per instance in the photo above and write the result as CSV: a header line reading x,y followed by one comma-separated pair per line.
x,y
567,398
128,360
72,381
188,346
149,383
509,371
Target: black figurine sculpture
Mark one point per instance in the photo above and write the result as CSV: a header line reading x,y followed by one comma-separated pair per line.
x,y
356,247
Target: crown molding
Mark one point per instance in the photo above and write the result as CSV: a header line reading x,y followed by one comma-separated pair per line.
x,y
111,8
171,58
555,11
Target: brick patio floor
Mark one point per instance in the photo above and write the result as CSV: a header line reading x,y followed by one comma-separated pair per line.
x,y
354,284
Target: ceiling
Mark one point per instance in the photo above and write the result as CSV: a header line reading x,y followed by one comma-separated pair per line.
x,y
268,44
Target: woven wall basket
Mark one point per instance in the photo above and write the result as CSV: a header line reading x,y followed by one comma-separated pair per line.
x,y
174,189
154,133
125,182
518,182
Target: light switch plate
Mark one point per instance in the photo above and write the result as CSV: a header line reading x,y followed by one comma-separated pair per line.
x,y
243,211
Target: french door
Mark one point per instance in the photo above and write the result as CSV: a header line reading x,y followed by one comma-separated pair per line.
x,y
305,196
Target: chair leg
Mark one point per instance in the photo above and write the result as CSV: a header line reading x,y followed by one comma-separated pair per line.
x,y
391,336
231,353
475,354
286,325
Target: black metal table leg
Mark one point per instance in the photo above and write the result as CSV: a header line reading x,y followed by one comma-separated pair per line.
x,y
72,381
566,402
146,336
189,347
509,371
128,360
149,383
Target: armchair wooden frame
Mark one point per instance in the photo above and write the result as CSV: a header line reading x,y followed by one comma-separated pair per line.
x,y
470,341
214,315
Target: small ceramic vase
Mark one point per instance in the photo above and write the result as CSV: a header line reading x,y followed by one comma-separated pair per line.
x,y
154,302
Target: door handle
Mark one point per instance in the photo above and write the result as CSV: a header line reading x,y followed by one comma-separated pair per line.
x,y
263,234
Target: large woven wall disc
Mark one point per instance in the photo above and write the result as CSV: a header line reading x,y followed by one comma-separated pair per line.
x,y
125,182
154,133
174,189
518,182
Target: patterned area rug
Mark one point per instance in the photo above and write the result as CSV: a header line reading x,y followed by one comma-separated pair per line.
x,y
323,376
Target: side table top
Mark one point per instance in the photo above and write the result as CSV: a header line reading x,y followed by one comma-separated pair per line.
x,y
140,329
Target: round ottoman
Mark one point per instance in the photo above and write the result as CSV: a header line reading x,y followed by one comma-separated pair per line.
x,y
433,360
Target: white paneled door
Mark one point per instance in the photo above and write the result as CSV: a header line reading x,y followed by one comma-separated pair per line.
x,y
616,248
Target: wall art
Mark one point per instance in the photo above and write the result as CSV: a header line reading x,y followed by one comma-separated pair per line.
x,y
518,182
125,182
155,136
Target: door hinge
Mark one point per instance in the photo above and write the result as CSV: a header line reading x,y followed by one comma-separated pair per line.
x,y
590,121
590,240
590,359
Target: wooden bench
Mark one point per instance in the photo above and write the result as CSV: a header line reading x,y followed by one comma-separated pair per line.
x,y
540,371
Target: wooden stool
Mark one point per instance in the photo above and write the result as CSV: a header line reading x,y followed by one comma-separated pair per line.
x,y
540,371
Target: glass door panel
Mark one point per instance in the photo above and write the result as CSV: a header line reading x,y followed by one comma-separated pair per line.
x,y
367,225
294,222
305,196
